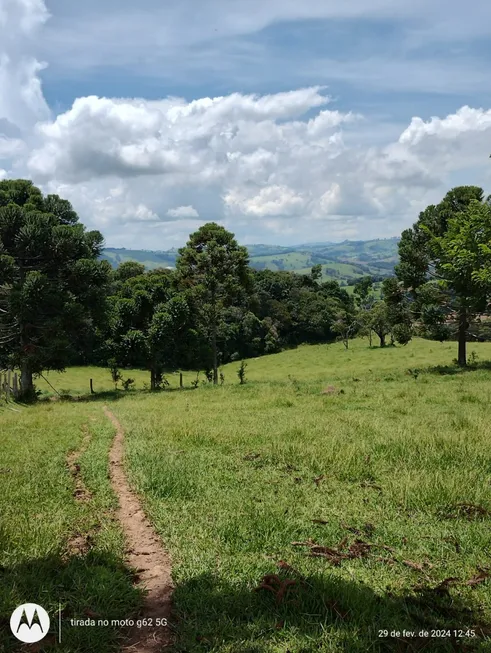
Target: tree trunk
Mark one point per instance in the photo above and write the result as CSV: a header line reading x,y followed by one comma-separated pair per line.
x,y
152,379
26,382
370,336
382,339
463,326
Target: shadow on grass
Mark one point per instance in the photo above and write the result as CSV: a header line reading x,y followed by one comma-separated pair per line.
x,y
315,614
95,586
110,395
456,369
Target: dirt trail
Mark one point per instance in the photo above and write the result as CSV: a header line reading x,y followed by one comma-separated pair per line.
x,y
145,554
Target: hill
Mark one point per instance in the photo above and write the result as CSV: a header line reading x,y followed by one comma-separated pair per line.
x,y
332,499
344,261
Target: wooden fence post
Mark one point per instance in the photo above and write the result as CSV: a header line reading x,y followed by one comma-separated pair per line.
x,y
7,389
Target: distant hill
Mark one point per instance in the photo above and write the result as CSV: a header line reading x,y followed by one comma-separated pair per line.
x,y
344,261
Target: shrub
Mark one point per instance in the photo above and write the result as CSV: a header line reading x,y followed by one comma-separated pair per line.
x,y
241,373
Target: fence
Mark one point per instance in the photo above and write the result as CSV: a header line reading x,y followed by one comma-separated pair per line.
x,y
9,385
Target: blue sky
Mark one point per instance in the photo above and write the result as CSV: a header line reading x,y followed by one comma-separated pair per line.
x,y
99,108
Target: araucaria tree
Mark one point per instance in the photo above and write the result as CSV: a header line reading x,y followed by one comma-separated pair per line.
x,y
51,281
215,268
445,261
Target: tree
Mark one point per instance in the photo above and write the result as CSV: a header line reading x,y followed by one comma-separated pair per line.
x,y
216,268
52,285
128,270
378,320
362,292
398,310
364,300
316,272
150,325
448,248
346,326
171,338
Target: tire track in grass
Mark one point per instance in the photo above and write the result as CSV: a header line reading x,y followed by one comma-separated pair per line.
x,y
145,554
79,543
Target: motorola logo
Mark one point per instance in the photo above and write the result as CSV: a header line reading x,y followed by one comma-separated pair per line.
x,y
29,623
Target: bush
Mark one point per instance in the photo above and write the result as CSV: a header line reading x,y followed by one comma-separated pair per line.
x,y
114,370
241,373
402,333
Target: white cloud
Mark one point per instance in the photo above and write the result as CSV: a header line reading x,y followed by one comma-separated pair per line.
x,y
458,141
463,121
21,98
241,160
269,201
102,136
268,166
11,147
402,46
23,15
140,213
183,212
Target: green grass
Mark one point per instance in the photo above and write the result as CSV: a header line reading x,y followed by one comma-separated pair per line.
x,y
306,362
76,381
39,516
291,261
227,475
231,476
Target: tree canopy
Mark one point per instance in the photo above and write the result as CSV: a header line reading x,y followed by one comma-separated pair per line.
x,y
445,262
216,267
52,283
61,304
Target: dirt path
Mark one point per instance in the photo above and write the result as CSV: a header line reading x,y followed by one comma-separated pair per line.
x,y
145,554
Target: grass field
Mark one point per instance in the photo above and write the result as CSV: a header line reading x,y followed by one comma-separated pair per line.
x,y
41,524
383,484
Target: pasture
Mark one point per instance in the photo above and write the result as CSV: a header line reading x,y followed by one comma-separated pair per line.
x,y
337,495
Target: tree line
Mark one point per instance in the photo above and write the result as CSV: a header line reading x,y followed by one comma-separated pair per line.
x,y
60,304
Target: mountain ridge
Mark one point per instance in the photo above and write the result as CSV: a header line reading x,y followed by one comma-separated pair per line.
x,y
344,261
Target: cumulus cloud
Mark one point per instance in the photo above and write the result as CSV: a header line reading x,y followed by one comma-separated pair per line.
x,y
183,212
284,165
248,159
11,147
103,136
22,15
269,201
465,120
21,99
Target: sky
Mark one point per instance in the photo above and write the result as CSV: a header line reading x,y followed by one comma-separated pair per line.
x,y
286,121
